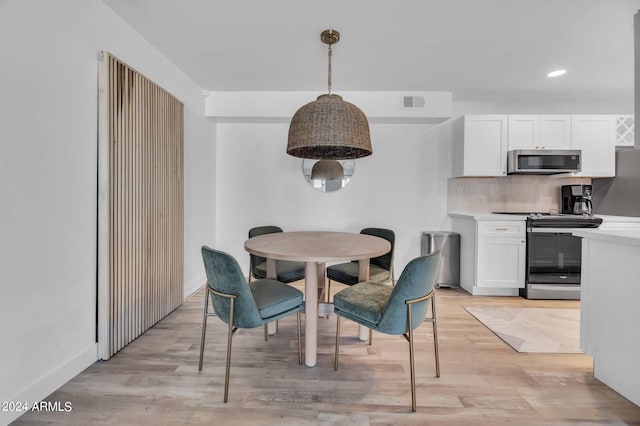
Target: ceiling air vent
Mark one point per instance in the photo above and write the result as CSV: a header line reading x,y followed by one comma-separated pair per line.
x,y
413,102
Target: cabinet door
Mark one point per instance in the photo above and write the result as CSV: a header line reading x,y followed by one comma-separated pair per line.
x,y
485,145
555,132
595,135
501,262
523,132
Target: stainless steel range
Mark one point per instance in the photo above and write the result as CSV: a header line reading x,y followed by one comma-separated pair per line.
x,y
554,255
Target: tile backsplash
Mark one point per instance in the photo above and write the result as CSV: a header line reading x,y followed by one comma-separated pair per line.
x,y
515,193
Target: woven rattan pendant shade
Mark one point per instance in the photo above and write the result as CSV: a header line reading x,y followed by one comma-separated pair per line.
x,y
327,169
329,128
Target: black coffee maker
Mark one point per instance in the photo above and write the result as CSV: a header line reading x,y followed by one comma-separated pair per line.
x,y
576,199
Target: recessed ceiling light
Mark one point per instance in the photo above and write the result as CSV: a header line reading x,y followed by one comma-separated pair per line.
x,y
557,73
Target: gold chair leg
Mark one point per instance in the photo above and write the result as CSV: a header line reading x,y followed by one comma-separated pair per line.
x,y
411,360
299,339
204,325
229,338
435,334
335,366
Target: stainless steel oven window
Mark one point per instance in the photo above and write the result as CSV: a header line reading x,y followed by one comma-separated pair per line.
x,y
553,257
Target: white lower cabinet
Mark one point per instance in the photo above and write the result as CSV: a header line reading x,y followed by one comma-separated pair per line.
x,y
492,256
501,262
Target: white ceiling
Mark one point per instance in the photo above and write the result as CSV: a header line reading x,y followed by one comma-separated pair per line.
x,y
477,49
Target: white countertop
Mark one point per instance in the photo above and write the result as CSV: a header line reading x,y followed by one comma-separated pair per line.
x,y
506,217
488,216
630,237
610,218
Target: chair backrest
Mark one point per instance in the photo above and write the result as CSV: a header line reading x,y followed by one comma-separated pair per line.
x,y
254,232
417,279
224,275
385,260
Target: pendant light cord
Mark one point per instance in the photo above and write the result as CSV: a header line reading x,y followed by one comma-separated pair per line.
x,y
329,82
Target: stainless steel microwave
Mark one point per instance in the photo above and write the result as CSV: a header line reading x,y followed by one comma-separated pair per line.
x,y
543,162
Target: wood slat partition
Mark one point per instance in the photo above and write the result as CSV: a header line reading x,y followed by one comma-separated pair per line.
x,y
140,205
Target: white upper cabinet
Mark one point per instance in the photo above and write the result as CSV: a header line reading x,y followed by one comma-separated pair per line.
x,y
481,146
481,142
555,132
595,135
539,132
524,132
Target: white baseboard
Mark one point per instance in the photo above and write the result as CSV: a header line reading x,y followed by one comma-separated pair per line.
x,y
54,379
194,285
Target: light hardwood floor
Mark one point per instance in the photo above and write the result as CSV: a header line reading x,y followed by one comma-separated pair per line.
x,y
155,380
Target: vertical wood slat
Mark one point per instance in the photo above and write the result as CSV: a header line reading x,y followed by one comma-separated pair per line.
x,y
145,205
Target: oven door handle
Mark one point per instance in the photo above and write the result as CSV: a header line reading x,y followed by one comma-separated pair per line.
x,y
551,230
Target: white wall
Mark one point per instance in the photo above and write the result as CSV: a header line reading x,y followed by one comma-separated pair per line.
x,y
402,186
199,192
48,97
48,128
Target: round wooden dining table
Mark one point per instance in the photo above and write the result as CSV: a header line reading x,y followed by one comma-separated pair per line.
x,y
316,248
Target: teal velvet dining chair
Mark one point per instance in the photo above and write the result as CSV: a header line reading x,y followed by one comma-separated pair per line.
x,y
244,305
288,271
394,310
380,268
